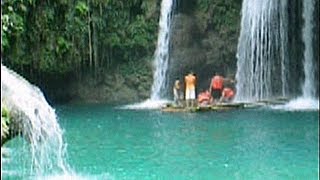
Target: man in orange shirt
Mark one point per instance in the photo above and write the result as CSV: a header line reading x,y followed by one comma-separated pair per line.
x,y
190,94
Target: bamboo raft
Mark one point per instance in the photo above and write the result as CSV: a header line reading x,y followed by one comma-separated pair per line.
x,y
215,107
223,106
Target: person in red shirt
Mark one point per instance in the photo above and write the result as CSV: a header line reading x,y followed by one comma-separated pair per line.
x,y
217,85
227,95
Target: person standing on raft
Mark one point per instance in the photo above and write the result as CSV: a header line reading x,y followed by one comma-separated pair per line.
x,y
190,94
177,93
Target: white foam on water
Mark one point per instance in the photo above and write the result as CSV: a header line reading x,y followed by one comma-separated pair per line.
x,y
105,176
147,104
299,104
5,155
10,172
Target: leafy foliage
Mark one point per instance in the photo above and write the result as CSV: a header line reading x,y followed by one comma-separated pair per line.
x,y
58,38
12,20
220,15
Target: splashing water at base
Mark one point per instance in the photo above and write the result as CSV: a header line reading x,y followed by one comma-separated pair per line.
x,y
300,104
38,123
148,104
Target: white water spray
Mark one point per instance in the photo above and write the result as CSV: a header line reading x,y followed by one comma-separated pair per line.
x,y
162,51
262,47
38,121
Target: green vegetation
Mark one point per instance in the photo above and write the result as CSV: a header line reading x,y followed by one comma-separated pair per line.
x,y
220,16
56,38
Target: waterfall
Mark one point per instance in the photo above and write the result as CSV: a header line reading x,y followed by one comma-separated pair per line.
x,y
160,63
162,51
308,99
262,50
263,67
307,36
38,121
284,48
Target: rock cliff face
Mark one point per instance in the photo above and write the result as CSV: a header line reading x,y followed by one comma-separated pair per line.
x,y
114,87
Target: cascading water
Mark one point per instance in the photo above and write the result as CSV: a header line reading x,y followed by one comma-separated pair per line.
x,y
263,67
284,47
308,99
262,50
162,51
38,121
307,36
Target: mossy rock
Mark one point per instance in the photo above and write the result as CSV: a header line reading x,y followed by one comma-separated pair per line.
x,y
5,121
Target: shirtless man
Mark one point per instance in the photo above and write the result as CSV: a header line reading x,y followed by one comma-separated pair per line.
x,y
190,94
